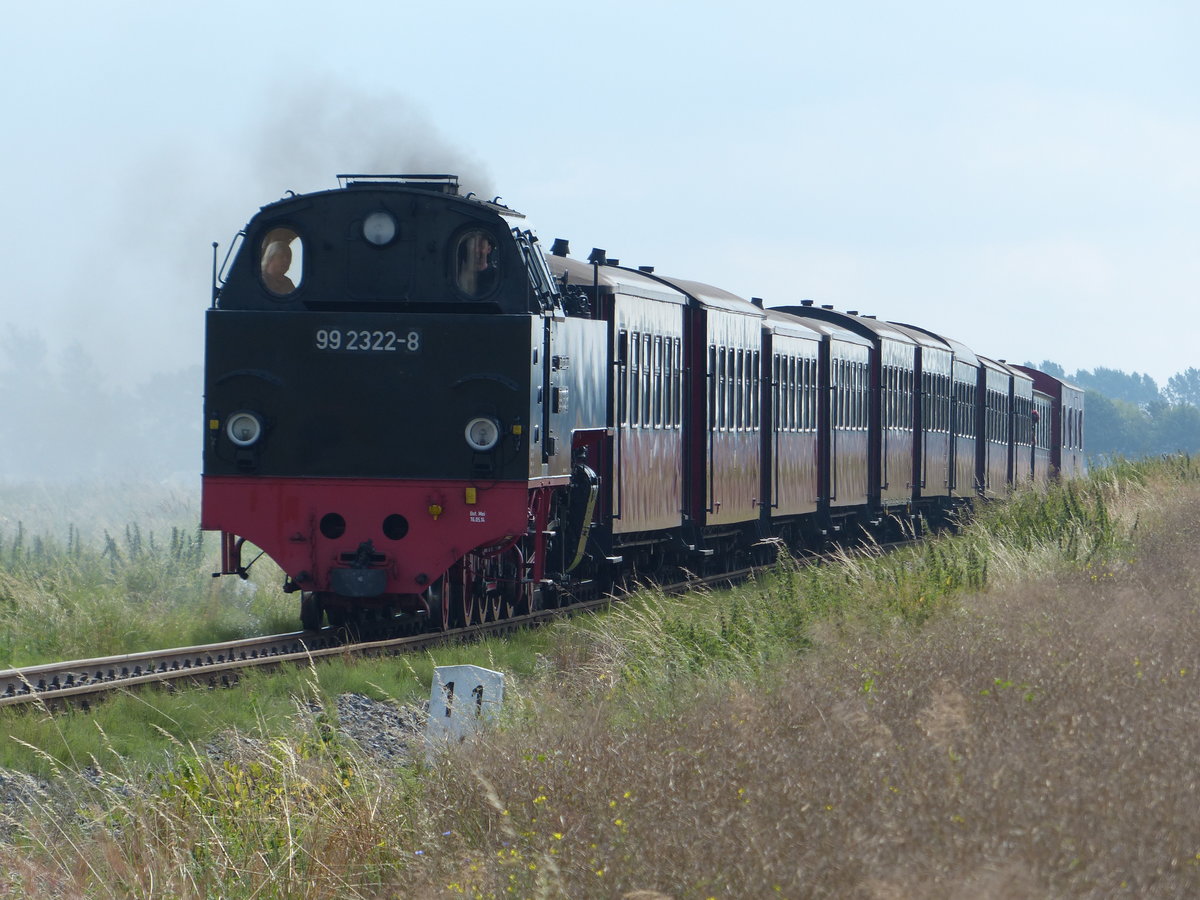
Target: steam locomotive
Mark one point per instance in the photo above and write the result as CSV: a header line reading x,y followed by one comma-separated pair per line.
x,y
423,418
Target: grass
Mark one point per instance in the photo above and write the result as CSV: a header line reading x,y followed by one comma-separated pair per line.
x,y
1003,712
69,592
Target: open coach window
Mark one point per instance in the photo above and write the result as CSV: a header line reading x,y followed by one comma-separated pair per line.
x,y
475,256
281,261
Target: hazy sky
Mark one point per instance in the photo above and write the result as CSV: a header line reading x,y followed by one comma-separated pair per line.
x,y
1023,177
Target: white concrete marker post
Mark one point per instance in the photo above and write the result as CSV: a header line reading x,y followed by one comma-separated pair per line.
x,y
461,700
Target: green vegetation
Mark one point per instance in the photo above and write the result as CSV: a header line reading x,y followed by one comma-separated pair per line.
x,y
1004,711
138,577
1128,415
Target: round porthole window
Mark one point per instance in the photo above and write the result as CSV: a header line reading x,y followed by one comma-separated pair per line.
x,y
379,228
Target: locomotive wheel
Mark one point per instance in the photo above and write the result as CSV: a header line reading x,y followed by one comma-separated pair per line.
x,y
442,609
310,611
515,602
441,590
470,611
337,616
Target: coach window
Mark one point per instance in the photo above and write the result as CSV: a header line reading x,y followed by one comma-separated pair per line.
x,y
835,389
623,378
776,389
656,412
635,378
476,263
755,387
281,261
910,381
677,375
839,393
790,396
712,387
647,382
735,389
801,389
668,391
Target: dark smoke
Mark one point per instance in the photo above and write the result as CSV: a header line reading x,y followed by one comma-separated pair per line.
x,y
311,133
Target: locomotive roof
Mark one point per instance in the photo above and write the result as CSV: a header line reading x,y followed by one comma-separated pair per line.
x,y
445,186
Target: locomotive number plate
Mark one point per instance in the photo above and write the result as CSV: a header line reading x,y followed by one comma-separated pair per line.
x,y
367,341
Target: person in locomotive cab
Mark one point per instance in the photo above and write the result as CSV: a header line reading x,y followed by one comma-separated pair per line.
x,y
476,268
276,261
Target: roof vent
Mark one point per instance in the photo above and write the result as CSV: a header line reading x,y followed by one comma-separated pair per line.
x,y
806,303
826,306
612,262
757,301
852,312
561,247
647,269
596,257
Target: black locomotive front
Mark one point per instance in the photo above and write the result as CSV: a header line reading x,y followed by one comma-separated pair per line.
x,y
373,412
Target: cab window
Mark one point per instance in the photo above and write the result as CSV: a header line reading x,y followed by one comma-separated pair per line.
x,y
476,263
281,261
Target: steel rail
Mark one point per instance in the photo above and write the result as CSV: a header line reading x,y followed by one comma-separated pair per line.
x,y
218,664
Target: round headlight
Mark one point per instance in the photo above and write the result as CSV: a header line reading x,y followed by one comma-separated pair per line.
x,y
244,428
379,228
483,434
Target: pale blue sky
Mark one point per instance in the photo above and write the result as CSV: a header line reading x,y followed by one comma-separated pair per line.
x,y
1022,177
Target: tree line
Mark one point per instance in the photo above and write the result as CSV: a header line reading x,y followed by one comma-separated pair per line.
x,y
61,420
1128,414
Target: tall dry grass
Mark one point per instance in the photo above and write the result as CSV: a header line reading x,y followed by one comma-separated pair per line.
x,y
1039,740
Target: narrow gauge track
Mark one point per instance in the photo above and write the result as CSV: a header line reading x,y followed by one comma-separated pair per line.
x,y
79,681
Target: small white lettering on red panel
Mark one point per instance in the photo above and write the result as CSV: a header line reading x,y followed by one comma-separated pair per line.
x,y
479,515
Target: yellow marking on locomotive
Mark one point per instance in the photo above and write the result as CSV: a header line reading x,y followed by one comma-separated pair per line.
x,y
470,496
435,511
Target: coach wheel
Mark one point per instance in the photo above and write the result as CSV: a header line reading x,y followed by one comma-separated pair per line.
x,y
310,611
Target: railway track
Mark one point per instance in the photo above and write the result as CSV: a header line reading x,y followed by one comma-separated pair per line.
x,y
77,682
